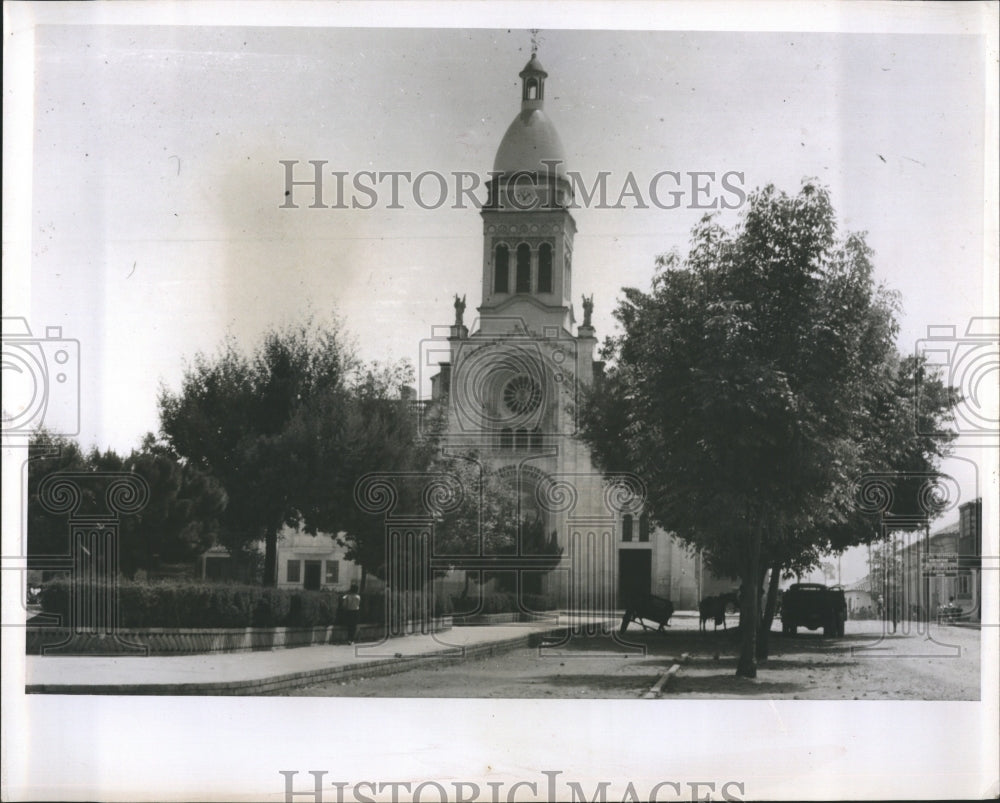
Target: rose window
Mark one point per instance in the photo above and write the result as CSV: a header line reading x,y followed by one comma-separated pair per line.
x,y
522,395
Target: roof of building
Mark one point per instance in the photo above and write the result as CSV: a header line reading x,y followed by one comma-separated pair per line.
x,y
947,531
533,66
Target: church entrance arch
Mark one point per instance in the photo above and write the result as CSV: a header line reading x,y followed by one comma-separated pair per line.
x,y
537,539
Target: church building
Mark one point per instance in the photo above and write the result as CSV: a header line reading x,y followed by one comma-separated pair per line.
x,y
512,383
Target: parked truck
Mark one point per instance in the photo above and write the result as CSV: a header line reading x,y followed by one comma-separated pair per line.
x,y
813,605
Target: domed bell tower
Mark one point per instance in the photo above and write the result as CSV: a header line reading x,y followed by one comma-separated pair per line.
x,y
527,227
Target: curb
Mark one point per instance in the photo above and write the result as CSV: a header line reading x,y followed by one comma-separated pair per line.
x,y
376,667
160,641
657,688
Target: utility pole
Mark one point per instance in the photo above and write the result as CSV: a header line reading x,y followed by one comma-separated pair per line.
x,y
927,576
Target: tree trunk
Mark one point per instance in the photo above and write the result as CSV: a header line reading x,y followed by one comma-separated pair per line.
x,y
746,667
271,558
771,604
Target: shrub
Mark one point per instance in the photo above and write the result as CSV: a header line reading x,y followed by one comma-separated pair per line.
x,y
373,604
539,602
312,610
502,602
186,603
272,607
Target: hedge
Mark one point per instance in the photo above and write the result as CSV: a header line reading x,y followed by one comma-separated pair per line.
x,y
182,604
501,602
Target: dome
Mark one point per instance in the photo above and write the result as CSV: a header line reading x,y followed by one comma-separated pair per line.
x,y
530,141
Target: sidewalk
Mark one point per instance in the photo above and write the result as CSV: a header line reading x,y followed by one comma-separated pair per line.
x,y
268,671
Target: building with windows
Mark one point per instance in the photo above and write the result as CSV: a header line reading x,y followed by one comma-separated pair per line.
x,y
861,603
312,562
511,383
930,570
946,567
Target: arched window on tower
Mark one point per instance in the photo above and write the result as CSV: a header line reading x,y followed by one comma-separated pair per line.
x,y
545,268
531,89
627,527
506,439
501,270
644,527
523,269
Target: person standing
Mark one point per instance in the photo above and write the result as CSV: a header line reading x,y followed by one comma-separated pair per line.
x,y
350,606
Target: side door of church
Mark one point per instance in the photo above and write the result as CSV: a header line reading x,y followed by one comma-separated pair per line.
x,y
635,573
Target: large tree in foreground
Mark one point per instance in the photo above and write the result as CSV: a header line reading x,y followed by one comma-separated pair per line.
x,y
742,383
910,403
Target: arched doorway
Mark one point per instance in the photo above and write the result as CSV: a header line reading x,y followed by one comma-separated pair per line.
x,y
535,537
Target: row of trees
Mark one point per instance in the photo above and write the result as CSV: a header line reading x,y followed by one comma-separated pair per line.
x,y
253,442
181,519
754,384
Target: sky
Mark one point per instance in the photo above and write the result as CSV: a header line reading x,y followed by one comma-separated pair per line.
x,y
156,226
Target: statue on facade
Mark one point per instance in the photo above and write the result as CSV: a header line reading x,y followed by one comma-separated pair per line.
x,y
459,309
588,309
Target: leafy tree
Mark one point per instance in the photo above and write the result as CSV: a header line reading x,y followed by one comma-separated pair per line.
x,y
180,521
289,430
177,524
48,533
910,402
238,418
375,431
742,383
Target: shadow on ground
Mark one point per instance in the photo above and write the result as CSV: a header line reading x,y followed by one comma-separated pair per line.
x,y
727,683
599,684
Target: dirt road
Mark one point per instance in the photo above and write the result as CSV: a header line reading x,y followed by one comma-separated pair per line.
x,y
867,664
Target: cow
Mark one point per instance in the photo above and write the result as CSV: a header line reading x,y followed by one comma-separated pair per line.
x,y
715,608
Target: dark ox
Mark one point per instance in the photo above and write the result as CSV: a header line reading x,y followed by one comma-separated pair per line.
x,y
715,608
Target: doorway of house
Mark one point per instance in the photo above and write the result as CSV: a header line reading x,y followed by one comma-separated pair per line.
x,y
635,573
312,574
